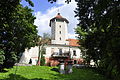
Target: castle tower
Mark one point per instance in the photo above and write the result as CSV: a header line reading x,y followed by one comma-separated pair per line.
x,y
59,31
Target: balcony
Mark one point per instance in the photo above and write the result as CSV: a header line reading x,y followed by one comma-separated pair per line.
x,y
60,55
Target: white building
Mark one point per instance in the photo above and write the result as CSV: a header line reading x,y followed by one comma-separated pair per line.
x,y
60,45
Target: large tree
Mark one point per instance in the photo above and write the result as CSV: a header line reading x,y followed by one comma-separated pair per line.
x,y
16,30
99,31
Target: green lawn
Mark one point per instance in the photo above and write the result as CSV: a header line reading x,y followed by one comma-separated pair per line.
x,y
46,73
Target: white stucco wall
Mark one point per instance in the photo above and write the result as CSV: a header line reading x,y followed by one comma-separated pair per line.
x,y
32,53
56,35
25,57
28,54
53,30
64,48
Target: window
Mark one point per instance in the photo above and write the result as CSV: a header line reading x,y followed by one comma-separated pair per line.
x,y
52,50
75,61
60,26
60,38
74,53
60,51
60,32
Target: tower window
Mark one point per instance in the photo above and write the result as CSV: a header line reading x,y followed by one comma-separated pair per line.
x,y
60,32
60,26
60,38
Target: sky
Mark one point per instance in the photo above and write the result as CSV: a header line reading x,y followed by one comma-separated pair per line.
x,y
44,11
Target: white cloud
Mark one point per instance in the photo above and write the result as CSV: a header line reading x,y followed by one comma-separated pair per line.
x,y
61,2
66,10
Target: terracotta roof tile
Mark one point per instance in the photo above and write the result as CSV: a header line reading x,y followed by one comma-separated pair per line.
x,y
59,18
73,42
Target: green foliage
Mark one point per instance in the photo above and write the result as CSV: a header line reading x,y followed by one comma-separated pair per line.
x,y
47,73
66,1
16,29
99,32
30,2
46,36
51,1
46,39
13,57
2,57
42,62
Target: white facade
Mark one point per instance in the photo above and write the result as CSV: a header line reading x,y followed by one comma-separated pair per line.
x,y
75,52
59,32
33,52
59,35
28,54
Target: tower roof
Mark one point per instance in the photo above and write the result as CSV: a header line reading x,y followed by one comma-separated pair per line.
x,y
59,18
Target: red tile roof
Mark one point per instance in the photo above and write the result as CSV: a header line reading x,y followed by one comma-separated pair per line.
x,y
59,18
73,42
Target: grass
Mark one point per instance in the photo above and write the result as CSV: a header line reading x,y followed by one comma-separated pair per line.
x,y
46,73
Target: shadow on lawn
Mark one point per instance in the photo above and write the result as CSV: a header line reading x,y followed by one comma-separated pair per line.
x,y
79,74
19,77
3,71
55,69
66,76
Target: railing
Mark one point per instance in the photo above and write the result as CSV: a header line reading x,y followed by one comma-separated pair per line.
x,y
56,54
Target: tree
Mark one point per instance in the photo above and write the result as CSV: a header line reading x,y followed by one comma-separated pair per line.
x,y
17,30
100,20
2,58
42,41
42,62
46,39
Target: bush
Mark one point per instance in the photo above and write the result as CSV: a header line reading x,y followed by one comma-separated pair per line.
x,y
2,58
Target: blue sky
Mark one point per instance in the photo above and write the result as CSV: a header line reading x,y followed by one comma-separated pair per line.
x,y
40,5
44,11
